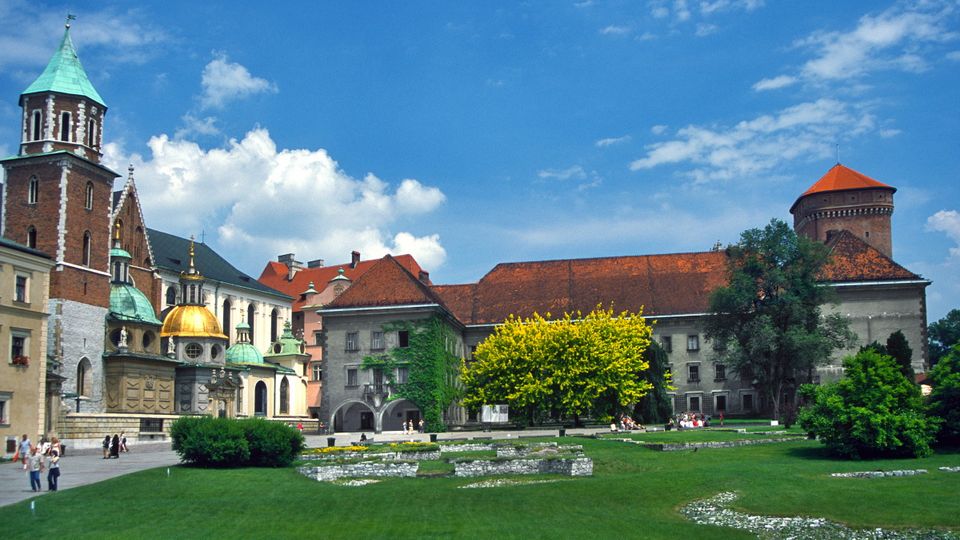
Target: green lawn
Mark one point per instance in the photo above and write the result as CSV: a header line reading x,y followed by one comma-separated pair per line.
x,y
700,435
635,492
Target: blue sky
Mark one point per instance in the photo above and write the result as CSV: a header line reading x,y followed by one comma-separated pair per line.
x,y
475,133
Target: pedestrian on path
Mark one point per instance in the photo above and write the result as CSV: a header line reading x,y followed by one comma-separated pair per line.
x,y
115,446
53,466
106,447
35,463
24,450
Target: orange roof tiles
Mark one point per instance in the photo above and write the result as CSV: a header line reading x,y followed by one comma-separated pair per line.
x,y
274,275
852,259
840,178
386,283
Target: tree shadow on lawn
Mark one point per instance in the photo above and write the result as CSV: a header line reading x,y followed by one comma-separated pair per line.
x,y
822,453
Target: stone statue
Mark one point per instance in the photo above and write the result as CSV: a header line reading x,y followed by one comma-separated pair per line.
x,y
123,337
171,349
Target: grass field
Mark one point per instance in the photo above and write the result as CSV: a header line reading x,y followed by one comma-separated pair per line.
x,y
634,493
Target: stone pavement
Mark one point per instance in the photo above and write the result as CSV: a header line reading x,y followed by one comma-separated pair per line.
x,y
84,467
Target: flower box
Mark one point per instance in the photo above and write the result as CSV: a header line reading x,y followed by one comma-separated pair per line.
x,y
21,360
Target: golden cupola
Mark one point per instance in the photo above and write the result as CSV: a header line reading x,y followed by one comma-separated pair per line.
x,y
190,317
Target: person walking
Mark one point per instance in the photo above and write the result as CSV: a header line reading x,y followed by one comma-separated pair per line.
x,y
24,450
123,442
53,469
35,464
106,447
115,447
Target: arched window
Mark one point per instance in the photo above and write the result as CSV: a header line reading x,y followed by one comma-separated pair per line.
x,y
83,377
284,396
36,125
86,248
65,127
32,237
171,295
250,313
273,326
88,200
91,133
227,327
33,191
260,399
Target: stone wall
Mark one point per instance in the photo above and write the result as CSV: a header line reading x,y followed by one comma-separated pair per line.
x,y
373,469
87,430
582,466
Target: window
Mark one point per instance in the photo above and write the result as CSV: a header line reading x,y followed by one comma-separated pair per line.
x,y
720,402
214,352
33,190
284,396
667,343
250,313
21,291
32,237
403,374
171,295
86,249
18,345
273,325
317,371
693,403
83,377
403,339
693,373
721,374
227,326
748,402
5,398
193,350
35,125
352,377
148,339
376,341
88,200
91,133
353,341
318,339
65,127
693,343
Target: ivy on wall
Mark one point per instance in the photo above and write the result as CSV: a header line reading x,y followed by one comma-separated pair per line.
x,y
433,368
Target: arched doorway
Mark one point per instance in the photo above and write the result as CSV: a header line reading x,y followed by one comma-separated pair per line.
x,y
353,416
260,399
397,413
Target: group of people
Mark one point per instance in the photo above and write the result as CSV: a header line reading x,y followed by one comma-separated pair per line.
x,y
688,420
112,446
626,424
44,456
408,427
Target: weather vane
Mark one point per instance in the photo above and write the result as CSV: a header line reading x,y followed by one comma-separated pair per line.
x,y
70,17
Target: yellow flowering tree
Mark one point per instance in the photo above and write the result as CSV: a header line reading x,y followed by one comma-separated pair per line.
x,y
573,366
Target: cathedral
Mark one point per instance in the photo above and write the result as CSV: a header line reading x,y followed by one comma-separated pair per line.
x,y
114,357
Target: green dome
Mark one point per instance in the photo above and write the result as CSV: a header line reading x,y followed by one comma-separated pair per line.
x,y
286,344
119,253
244,353
127,303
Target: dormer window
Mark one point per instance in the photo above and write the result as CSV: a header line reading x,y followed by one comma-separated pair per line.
x,y
36,126
65,127
33,190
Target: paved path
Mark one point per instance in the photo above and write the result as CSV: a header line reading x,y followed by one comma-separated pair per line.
x,y
80,468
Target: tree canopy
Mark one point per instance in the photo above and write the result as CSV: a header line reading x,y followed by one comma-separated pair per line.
x,y
767,323
943,335
945,397
573,366
873,411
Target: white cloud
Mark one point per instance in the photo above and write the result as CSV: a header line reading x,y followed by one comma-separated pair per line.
x,y
660,12
197,126
575,172
261,201
716,6
615,30
780,81
804,131
658,129
947,222
893,39
610,141
889,132
225,81
704,29
954,56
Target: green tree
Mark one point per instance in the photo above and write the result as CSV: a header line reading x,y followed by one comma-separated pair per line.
x,y
872,412
943,335
945,397
899,348
574,366
767,323
654,407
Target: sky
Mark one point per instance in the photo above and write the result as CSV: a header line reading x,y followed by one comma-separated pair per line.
x,y
474,133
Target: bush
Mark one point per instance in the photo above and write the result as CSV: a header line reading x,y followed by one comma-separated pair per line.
x,y
945,397
224,442
872,412
210,442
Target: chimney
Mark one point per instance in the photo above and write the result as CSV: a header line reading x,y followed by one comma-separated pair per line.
x,y
425,277
354,259
316,263
292,264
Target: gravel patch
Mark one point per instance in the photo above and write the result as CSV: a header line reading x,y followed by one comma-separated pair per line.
x,y
714,511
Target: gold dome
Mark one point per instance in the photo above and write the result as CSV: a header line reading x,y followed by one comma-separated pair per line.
x,y
191,321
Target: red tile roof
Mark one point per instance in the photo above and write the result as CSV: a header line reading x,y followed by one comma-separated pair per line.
x,y
852,259
840,178
386,283
274,275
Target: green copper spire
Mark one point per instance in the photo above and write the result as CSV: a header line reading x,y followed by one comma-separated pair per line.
x,y
64,74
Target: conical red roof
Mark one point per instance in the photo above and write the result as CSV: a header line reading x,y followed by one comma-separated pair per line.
x,y
840,178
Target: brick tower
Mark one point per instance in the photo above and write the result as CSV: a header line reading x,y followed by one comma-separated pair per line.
x,y
846,199
58,199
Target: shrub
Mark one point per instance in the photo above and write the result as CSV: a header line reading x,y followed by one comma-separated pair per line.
x,y
873,411
272,444
224,442
210,442
945,397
